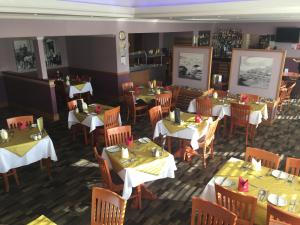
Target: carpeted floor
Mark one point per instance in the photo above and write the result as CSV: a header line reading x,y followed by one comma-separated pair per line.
x,y
66,198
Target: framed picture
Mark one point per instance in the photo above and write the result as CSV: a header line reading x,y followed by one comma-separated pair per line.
x,y
256,71
53,57
192,66
24,54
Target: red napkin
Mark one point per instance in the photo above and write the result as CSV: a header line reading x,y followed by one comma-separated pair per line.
x,y
98,109
198,119
245,99
243,185
168,88
22,126
129,141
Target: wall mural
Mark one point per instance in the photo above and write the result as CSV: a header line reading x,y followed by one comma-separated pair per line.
x,y
24,54
190,66
255,72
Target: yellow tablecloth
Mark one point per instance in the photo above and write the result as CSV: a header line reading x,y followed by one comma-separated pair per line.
x,y
147,95
254,106
142,159
20,142
262,180
42,220
79,86
91,109
188,119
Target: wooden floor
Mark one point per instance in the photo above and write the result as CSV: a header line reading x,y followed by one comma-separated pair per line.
x,y
66,198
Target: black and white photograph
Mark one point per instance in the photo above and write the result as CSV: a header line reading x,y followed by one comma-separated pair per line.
x,y
24,53
255,72
53,57
190,66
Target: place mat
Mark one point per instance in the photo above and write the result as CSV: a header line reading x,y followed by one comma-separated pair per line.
x,y
189,120
262,180
42,220
143,159
20,143
91,109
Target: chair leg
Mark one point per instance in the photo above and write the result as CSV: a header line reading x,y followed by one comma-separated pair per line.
x,y
16,176
231,129
224,126
85,135
134,117
6,183
204,157
247,134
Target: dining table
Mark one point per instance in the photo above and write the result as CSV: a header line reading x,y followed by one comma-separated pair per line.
x,y
141,166
79,87
221,108
187,129
269,186
25,146
148,94
90,117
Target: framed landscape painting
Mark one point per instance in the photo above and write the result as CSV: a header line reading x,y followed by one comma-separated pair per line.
x,y
192,66
256,71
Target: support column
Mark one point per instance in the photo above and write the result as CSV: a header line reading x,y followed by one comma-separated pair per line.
x,y
40,58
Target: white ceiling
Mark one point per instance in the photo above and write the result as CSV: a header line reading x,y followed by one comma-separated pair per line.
x,y
166,10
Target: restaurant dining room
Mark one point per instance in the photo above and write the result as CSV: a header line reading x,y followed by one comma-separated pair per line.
x,y
157,112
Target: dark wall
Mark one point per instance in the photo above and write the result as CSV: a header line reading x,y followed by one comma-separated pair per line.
x,y
3,96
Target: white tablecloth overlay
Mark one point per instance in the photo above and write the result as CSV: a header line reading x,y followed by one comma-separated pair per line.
x,y
209,193
91,121
222,110
42,150
188,133
133,178
87,88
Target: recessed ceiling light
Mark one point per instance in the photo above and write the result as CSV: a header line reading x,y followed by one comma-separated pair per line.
x,y
154,21
204,19
35,14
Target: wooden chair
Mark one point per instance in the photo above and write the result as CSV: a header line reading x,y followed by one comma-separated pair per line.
x,y
76,128
206,145
155,115
13,122
240,115
107,207
113,182
277,214
204,106
118,135
250,97
126,87
111,119
175,94
243,206
165,101
285,94
208,213
292,166
221,93
268,159
134,109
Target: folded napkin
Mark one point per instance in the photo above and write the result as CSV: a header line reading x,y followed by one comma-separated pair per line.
x,y
4,134
245,99
198,119
129,141
215,95
40,123
22,125
98,109
172,116
125,153
243,185
256,165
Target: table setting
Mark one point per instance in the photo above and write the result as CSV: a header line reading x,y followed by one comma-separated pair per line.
x,y
25,145
91,115
138,162
221,107
78,87
250,178
188,126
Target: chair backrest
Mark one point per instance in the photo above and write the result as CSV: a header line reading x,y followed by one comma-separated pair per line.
x,y
243,206
111,119
155,115
268,159
277,222
73,104
118,135
251,97
221,93
276,213
104,170
208,213
290,89
240,114
127,86
129,99
210,135
175,94
292,166
164,100
204,106
14,121
107,207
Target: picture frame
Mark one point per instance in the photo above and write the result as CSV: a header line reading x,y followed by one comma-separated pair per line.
x,y
53,56
256,71
24,55
192,66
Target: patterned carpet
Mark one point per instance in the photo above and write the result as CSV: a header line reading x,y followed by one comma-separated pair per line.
x,y
66,198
